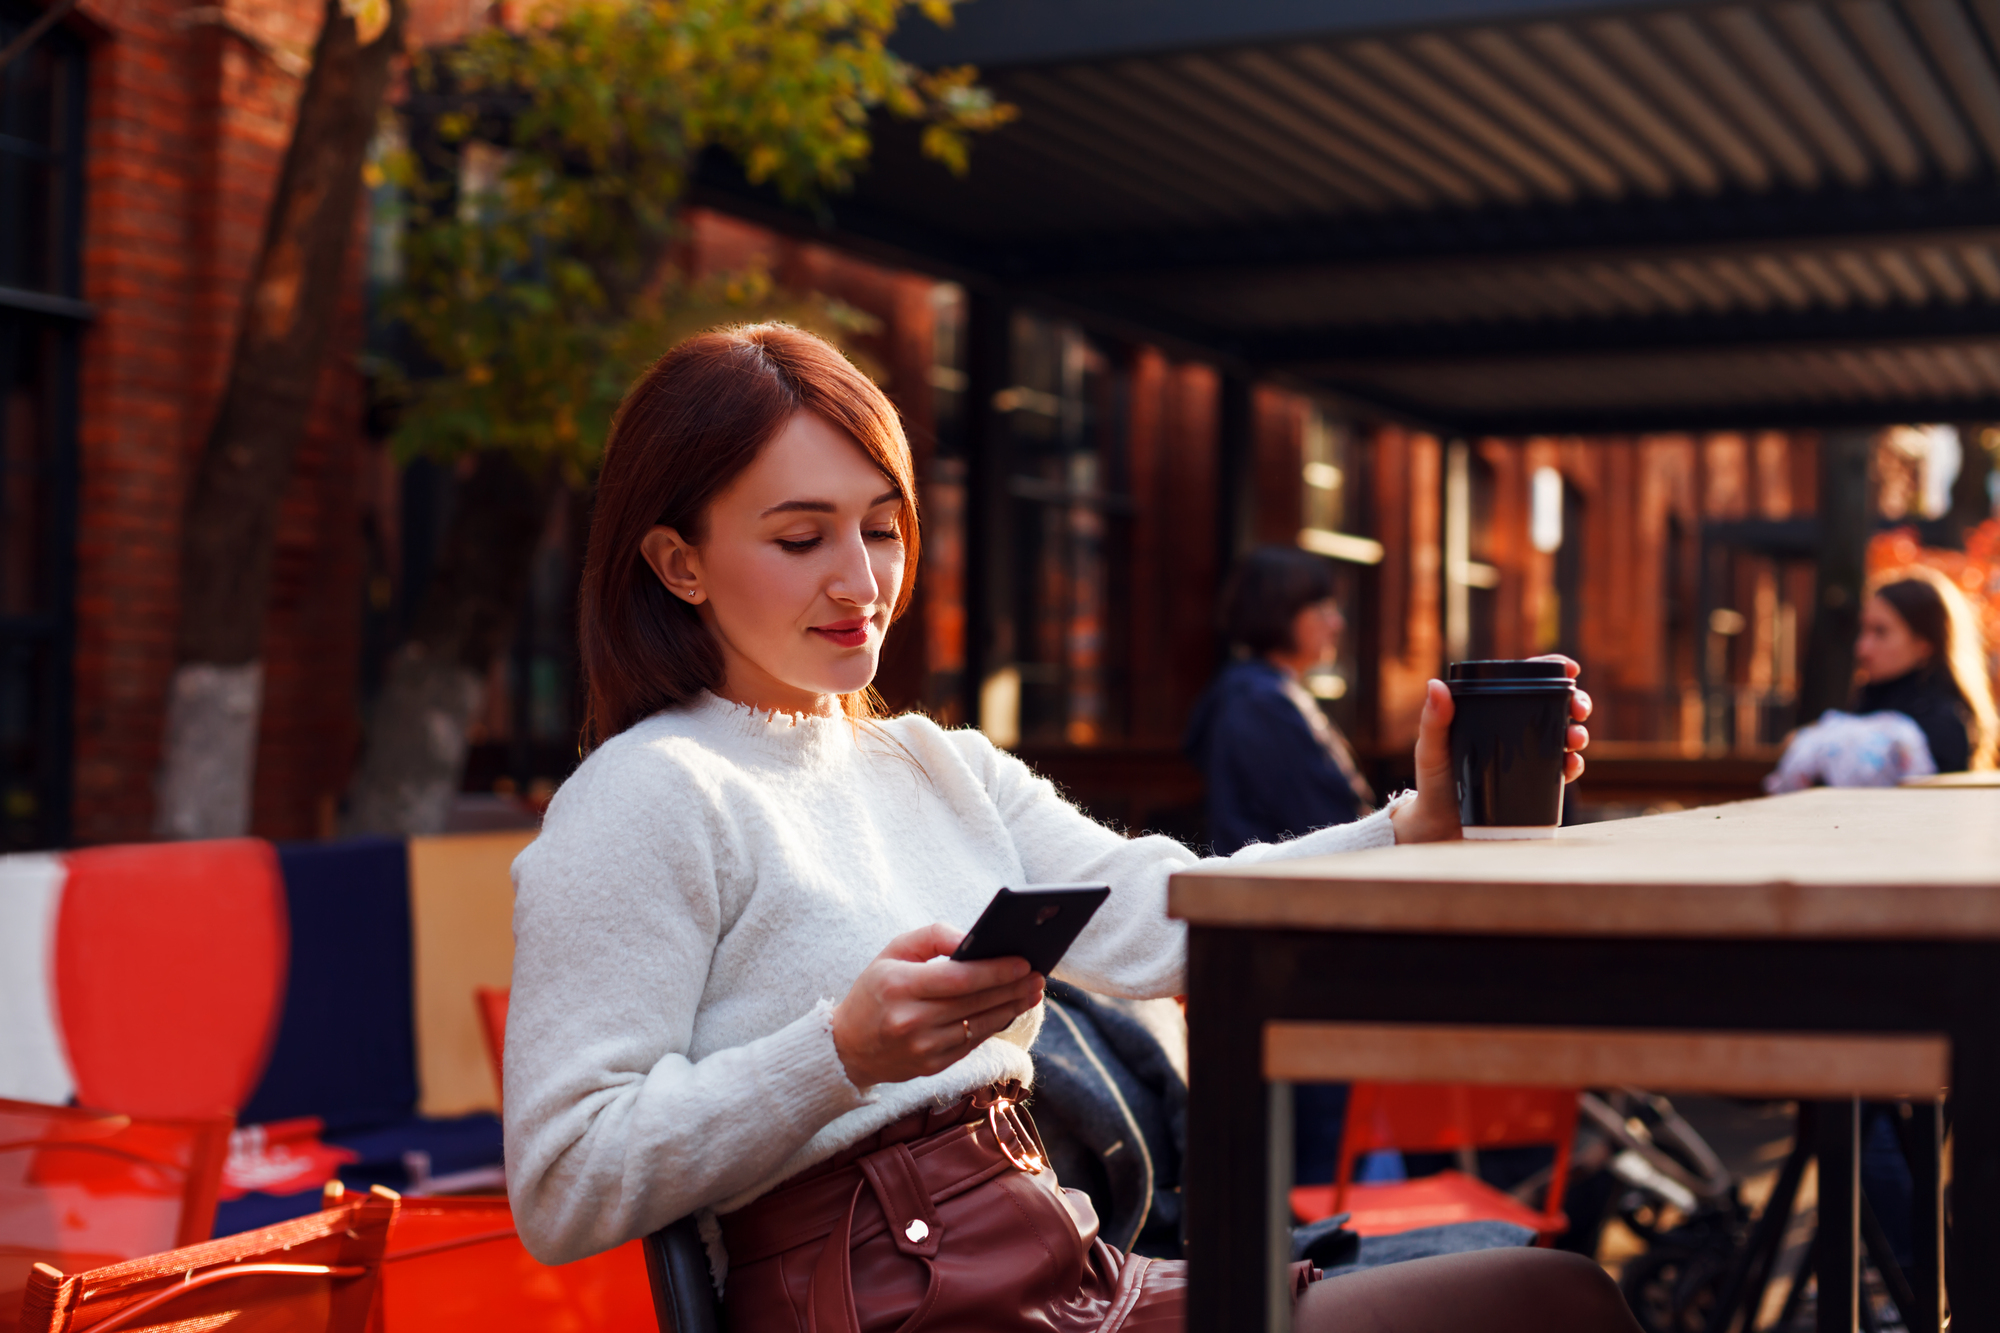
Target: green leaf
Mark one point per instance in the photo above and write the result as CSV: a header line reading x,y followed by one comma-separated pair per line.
x,y
539,295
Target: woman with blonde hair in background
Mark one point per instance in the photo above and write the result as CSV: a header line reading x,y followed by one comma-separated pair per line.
x,y
1921,653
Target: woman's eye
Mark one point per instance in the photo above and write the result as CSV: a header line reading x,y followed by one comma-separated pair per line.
x,y
797,545
884,535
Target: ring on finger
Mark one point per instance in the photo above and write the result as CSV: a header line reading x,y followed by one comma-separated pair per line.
x,y
967,1023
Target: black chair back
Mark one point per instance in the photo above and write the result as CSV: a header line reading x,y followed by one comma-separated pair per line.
x,y
683,1293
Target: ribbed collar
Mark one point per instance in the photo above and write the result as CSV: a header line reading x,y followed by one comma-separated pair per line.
x,y
800,737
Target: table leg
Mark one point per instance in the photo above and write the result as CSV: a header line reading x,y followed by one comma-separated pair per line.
x,y
1923,1148
1225,1177
1839,1250
1974,1238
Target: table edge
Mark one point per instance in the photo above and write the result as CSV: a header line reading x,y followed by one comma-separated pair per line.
x,y
1771,909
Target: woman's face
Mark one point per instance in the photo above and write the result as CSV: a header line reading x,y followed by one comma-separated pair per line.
x,y
798,569
1887,647
1316,633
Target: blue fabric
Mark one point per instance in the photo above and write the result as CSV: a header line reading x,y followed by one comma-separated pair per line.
x,y
452,1145
1886,1180
346,1049
233,1216
1428,1242
1319,1113
1268,776
1336,1250
459,1144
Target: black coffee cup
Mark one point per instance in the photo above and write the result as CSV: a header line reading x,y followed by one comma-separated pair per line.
x,y
1509,731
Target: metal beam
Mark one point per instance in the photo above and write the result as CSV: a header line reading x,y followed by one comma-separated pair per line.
x,y
1659,418
1602,230
1771,329
1045,32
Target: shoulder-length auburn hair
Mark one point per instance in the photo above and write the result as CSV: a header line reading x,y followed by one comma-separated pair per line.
x,y
685,431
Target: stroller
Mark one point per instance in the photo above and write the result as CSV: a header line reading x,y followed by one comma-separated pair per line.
x,y
1671,1191
1706,1266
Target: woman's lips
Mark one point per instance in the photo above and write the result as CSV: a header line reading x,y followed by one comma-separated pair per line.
x,y
845,633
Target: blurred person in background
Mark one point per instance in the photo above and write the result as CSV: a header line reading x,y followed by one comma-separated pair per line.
x,y
1921,654
1275,765
1924,703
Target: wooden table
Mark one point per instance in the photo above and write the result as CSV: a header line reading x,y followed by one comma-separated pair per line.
x,y
1828,945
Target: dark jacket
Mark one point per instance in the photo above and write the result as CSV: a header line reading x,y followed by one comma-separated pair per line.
x,y
1926,696
1269,778
1111,1104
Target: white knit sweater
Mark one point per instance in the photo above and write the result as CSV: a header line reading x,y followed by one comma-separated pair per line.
x,y
704,889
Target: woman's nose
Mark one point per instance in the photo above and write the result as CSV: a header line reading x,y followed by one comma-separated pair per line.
x,y
854,575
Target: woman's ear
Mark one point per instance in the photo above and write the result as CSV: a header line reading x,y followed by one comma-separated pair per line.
x,y
676,562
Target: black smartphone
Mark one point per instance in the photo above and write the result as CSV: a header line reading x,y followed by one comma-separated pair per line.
x,y
1037,923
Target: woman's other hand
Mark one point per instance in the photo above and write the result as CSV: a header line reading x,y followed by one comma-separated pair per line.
x,y
914,1012
1433,816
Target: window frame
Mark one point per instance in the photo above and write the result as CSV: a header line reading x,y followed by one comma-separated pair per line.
x,y
57,314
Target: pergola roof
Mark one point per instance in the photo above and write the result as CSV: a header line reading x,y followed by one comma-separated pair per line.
x,y
1490,215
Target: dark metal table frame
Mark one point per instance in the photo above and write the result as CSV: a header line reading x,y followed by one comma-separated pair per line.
x,y
1241,978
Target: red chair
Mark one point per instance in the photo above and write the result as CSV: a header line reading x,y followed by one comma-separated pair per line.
x,y
457,1263
315,1274
80,1189
1444,1117
170,964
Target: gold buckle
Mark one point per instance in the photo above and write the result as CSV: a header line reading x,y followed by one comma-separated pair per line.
x,y
1028,1159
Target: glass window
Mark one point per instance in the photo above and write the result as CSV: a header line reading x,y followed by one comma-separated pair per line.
x,y
40,171
25,625
1069,514
35,158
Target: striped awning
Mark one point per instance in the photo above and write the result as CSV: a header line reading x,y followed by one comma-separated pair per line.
x,y
1489,215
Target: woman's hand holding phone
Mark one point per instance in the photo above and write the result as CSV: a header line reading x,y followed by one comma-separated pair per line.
x,y
914,1011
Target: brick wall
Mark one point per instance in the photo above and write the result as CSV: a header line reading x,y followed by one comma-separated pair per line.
x,y
188,123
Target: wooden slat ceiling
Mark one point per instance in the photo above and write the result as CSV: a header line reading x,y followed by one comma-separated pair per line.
x,y
1511,218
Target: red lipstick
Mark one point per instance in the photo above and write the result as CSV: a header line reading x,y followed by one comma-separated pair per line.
x,y
845,633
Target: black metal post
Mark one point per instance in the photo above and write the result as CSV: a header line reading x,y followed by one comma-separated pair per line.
x,y
1235,475
1923,1148
1839,1252
1973,1241
1843,535
988,629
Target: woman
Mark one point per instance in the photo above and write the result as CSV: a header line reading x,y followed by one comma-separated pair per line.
x,y
732,990
1920,653
1275,766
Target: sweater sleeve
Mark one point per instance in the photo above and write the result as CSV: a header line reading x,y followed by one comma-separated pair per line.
x,y
1131,948
612,1132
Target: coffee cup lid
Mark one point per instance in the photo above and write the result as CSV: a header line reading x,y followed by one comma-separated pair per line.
x,y
1507,670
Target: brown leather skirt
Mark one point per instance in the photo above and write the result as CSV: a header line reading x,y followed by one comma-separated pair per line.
x,y
945,1220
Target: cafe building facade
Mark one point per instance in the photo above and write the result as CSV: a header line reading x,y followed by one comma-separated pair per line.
x,y
1487,302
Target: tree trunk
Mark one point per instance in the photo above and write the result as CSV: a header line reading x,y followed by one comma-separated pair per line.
x,y
413,750
229,527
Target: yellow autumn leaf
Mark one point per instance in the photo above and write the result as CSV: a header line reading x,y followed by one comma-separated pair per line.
x,y
370,17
